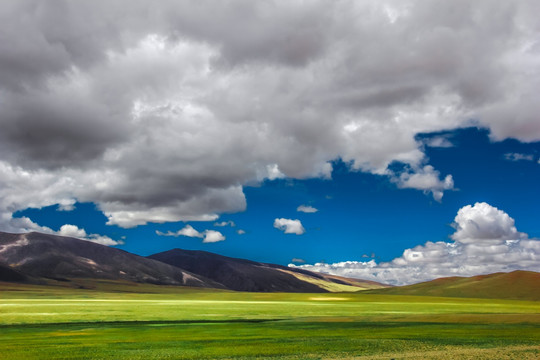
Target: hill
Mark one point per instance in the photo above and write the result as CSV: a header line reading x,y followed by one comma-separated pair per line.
x,y
246,275
516,285
36,255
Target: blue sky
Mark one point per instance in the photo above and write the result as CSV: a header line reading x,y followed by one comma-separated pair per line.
x,y
411,126
358,214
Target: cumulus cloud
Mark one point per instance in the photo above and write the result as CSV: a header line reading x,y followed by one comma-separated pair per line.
x,y
162,112
211,236
240,232
289,226
76,232
208,236
485,241
484,224
426,179
306,209
20,186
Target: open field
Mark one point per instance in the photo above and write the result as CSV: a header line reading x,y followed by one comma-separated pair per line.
x,y
174,323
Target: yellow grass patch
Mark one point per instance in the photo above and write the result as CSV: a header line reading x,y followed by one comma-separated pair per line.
x,y
324,284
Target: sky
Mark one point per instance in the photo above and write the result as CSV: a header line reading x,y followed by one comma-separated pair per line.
x,y
396,141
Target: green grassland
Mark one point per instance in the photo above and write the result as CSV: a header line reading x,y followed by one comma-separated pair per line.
x,y
119,321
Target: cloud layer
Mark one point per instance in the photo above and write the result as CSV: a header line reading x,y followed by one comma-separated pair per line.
x,y
485,241
162,112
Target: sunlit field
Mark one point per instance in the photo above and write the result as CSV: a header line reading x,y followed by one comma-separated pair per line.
x,y
173,323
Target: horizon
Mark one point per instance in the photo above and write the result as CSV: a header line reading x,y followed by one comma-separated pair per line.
x,y
151,256
393,142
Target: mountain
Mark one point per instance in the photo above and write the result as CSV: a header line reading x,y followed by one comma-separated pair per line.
x,y
42,258
12,275
35,255
36,258
518,285
246,275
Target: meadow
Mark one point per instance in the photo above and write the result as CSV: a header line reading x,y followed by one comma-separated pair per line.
x,y
150,322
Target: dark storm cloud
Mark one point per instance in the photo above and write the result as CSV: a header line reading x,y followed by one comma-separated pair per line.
x,y
162,111
289,34
51,131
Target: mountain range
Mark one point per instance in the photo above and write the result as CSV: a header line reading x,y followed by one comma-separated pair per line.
x,y
42,258
35,258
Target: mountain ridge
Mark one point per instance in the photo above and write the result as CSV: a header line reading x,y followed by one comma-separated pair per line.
x,y
247,275
51,260
43,256
515,285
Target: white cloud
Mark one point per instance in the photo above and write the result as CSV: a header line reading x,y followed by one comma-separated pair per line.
x,y
426,179
518,157
306,209
484,224
187,230
240,232
76,232
208,236
289,226
438,142
485,241
66,205
71,230
225,223
160,116
274,172
21,187
211,236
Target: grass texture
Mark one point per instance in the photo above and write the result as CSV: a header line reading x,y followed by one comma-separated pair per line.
x,y
174,323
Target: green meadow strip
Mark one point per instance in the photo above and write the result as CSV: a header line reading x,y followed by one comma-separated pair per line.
x,y
203,324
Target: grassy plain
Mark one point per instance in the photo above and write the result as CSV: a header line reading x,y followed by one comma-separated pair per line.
x,y
146,322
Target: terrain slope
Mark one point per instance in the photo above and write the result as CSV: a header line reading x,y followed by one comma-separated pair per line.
x,y
517,285
34,256
246,275
48,259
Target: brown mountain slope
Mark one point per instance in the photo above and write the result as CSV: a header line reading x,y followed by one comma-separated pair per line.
x,y
518,285
247,275
11,275
49,259
39,255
